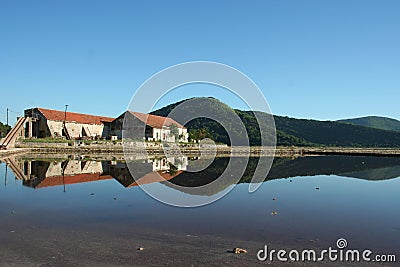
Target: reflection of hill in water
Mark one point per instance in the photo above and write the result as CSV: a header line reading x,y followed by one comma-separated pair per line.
x,y
371,168
367,168
381,173
194,180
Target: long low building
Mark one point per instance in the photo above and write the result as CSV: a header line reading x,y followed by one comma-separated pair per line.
x,y
44,123
54,123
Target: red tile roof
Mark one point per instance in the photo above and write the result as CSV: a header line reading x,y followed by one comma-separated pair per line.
x,y
155,121
56,115
72,179
152,177
155,177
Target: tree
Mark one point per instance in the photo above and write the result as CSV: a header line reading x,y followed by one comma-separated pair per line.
x,y
4,129
199,134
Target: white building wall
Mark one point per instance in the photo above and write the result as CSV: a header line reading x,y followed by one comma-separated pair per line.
x,y
74,167
54,169
75,129
55,128
162,135
165,135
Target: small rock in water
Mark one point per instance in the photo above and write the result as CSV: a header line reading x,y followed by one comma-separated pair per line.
x,y
239,250
274,198
317,188
290,180
115,198
140,249
92,194
274,213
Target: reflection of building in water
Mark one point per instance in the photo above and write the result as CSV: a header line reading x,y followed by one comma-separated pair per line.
x,y
45,174
39,174
163,164
147,171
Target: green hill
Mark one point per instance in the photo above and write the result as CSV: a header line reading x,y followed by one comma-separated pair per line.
x,y
375,122
290,131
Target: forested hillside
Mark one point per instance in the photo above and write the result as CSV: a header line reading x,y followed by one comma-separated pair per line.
x,y
290,131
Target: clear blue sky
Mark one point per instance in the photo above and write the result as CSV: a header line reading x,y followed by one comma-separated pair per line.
x,y
312,59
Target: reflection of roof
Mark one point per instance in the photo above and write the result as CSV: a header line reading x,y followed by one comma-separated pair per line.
x,y
72,179
56,115
155,177
155,121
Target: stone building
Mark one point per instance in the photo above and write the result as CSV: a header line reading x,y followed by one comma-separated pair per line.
x,y
149,127
50,123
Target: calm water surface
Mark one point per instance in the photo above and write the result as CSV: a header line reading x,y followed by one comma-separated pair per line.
x,y
316,199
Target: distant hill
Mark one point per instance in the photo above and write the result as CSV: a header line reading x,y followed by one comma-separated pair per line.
x,y
331,133
290,131
4,129
375,122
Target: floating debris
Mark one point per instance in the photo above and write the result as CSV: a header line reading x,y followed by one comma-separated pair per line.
x,y
115,198
274,213
192,236
239,250
140,249
317,188
92,194
274,198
